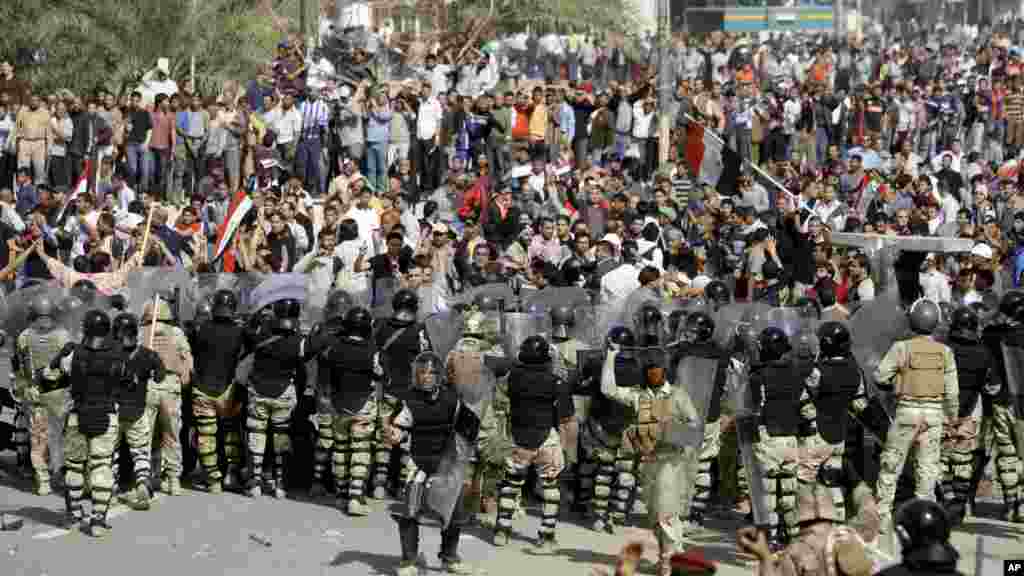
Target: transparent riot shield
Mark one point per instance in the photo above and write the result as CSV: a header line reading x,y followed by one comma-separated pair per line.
x,y
874,327
382,291
518,326
1013,358
444,329
143,284
475,385
748,419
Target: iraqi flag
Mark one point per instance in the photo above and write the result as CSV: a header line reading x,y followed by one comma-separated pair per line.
x,y
81,187
240,206
703,153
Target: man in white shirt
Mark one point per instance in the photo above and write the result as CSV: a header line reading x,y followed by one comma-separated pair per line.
x,y
366,218
123,194
287,125
436,74
624,280
935,284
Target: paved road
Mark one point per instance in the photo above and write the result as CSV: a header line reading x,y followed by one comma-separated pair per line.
x,y
197,534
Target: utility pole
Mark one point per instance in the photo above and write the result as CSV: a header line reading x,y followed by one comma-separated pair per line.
x,y
665,81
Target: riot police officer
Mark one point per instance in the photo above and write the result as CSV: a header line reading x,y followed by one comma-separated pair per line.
x,y
219,345
428,418
134,415
650,324
96,370
539,404
602,478
338,303
1004,340
44,394
835,388
974,365
278,356
922,371
400,340
776,385
924,530
356,390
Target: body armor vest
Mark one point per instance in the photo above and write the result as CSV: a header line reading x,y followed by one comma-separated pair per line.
x,y
165,346
432,421
923,376
776,387
653,416
141,364
533,393
613,416
218,347
276,365
350,363
973,365
840,380
400,354
36,349
95,376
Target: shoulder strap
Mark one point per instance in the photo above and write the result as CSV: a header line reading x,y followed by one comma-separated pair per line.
x,y
391,340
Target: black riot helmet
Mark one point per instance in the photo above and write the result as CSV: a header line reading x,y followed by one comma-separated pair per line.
x,y
85,290
406,304
1012,305
338,303
923,528
286,315
649,320
571,272
40,307
624,338
70,305
774,344
95,328
358,323
717,292
224,305
562,318
126,329
118,302
965,323
204,311
699,328
535,350
834,339
924,316
428,372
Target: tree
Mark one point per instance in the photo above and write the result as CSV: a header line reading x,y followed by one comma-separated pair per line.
x,y
111,43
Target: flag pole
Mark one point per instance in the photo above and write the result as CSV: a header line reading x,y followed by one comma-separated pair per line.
x,y
756,168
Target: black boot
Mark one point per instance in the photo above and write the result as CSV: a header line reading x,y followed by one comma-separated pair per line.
x,y
409,535
981,459
449,555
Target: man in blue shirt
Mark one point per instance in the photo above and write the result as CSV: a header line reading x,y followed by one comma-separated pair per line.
x,y
26,197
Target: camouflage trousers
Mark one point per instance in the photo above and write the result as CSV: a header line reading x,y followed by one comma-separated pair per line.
x,y
778,457
164,398
816,453
138,434
915,425
82,453
383,453
1000,427
606,477
42,409
959,442
549,462
352,450
698,498
213,412
273,416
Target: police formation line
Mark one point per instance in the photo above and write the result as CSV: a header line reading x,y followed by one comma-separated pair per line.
x,y
389,404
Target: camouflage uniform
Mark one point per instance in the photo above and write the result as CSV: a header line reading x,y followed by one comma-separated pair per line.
x,y
494,444
164,397
42,393
927,392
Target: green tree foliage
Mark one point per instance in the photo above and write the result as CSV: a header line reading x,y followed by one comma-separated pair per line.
x,y
554,15
111,43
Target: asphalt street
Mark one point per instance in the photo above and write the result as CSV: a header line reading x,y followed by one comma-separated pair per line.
x,y
197,534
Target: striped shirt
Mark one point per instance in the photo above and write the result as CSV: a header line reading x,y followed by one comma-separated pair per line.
x,y
682,187
314,117
1015,106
